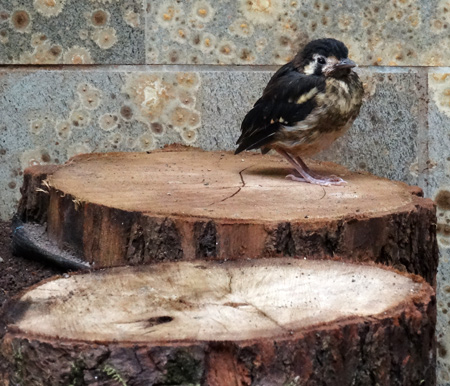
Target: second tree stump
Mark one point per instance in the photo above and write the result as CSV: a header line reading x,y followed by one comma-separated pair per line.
x,y
258,322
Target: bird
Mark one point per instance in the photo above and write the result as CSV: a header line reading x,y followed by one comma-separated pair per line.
x,y
307,104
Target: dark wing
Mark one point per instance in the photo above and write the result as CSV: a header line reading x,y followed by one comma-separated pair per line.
x,y
279,101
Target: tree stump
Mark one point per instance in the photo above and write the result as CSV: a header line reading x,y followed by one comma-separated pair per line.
x,y
183,204
248,322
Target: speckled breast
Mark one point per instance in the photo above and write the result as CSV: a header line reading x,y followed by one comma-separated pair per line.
x,y
337,109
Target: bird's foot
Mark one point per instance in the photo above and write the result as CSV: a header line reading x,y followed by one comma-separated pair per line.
x,y
319,180
295,178
306,174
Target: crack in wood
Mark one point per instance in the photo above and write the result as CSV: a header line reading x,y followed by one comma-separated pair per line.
x,y
324,193
238,190
247,303
267,316
230,282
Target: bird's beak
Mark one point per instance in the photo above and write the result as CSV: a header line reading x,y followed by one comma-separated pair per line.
x,y
345,63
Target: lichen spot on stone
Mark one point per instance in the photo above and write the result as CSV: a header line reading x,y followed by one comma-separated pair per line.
x,y
83,34
180,35
63,130
21,21
49,8
245,55
105,38
157,128
115,139
203,11
226,48
38,39
261,11
55,50
108,122
45,157
4,16
92,99
77,55
443,200
169,13
188,135
146,142
36,126
345,22
185,97
174,56
126,112
4,36
180,116
80,118
208,42
194,120
99,18
151,94
241,27
90,96
44,53
132,18
188,79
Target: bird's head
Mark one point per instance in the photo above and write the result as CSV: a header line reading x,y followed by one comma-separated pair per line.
x,y
327,57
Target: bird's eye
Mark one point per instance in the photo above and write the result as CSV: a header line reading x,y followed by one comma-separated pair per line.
x,y
321,60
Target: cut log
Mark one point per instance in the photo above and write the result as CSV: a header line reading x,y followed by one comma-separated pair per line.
x,y
177,204
249,322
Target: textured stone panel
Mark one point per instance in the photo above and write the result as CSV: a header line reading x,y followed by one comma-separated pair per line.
x,y
378,32
71,31
438,187
48,116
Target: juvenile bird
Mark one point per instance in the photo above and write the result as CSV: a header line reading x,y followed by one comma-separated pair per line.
x,y
307,104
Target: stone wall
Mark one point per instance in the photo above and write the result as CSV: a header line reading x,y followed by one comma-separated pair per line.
x,y
105,75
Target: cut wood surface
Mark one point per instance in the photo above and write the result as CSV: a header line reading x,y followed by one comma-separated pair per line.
x,y
121,208
259,322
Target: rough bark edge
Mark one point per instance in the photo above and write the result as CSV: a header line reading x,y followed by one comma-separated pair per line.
x,y
393,349
34,202
405,240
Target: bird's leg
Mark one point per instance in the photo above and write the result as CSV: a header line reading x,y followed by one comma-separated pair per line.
x,y
306,174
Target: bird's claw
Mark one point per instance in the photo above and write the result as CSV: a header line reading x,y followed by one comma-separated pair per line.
x,y
324,181
338,181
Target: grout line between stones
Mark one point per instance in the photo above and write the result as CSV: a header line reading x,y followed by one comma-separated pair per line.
x,y
423,131
144,12
194,68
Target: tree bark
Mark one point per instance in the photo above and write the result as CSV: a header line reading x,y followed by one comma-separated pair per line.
x,y
183,204
247,322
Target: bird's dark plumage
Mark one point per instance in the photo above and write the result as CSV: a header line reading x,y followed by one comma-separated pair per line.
x,y
278,101
307,104
324,47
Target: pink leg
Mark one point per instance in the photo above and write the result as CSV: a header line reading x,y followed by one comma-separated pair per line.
x,y
306,174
